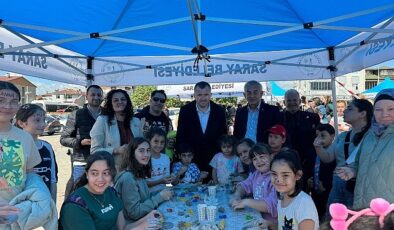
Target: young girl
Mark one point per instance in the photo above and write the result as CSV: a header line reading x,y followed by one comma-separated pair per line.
x,y
131,184
243,147
225,163
160,174
18,153
259,185
185,171
31,118
296,209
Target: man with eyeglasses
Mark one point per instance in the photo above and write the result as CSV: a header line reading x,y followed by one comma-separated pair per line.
x,y
76,134
253,120
153,115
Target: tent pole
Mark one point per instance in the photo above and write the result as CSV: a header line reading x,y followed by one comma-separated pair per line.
x,y
89,71
333,72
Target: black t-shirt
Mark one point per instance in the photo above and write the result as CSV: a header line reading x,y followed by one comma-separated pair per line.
x,y
161,121
45,169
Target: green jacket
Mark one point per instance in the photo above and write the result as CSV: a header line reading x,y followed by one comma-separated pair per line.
x,y
375,169
134,192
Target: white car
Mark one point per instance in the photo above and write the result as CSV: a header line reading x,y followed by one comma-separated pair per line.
x,y
173,114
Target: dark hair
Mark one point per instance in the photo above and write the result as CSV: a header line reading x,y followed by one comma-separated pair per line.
x,y
185,148
109,110
93,86
10,86
363,105
97,156
291,158
247,141
202,85
156,131
367,223
326,127
158,91
227,139
26,111
259,149
129,162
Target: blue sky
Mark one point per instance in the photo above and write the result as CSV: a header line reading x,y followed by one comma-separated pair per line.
x,y
44,86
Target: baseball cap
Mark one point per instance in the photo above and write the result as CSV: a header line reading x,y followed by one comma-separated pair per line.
x,y
278,130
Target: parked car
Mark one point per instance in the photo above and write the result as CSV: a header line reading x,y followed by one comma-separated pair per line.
x,y
173,113
62,119
52,125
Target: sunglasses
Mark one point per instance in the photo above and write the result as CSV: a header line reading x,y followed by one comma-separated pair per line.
x,y
156,99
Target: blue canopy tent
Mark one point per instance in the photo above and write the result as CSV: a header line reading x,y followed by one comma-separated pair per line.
x,y
386,84
139,42
276,90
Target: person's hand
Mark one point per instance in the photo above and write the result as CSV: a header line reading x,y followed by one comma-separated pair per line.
x,y
234,199
203,175
121,150
155,220
317,143
239,204
167,179
85,142
345,173
183,169
166,194
8,213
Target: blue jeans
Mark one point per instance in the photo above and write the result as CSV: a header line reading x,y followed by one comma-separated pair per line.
x,y
339,193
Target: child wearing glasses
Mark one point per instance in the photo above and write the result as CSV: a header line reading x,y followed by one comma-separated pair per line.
x,y
185,171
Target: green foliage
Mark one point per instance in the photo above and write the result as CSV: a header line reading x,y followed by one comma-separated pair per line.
x,y
141,95
174,102
228,101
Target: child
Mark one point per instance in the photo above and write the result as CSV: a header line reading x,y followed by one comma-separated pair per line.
x,y
170,147
160,175
243,147
185,171
31,118
18,153
296,209
131,184
321,183
259,185
276,138
225,163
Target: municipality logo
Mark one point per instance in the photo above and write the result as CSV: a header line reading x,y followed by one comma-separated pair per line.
x,y
307,62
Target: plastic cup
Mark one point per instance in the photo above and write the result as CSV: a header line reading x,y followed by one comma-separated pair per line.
x,y
211,213
212,191
202,212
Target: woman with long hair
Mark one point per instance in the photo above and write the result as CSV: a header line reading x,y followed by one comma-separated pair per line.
x,y
116,126
358,114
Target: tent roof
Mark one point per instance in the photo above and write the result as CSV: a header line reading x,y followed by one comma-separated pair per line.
x,y
386,84
147,36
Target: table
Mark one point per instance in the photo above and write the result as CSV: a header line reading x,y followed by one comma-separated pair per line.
x,y
181,211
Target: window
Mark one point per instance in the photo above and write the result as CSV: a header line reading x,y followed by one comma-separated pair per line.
x,y
69,96
319,85
57,96
370,84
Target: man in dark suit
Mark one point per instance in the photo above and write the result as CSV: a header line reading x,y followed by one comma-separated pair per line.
x,y
200,124
253,120
301,130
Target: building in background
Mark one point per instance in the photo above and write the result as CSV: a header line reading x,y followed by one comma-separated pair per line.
x,y
26,88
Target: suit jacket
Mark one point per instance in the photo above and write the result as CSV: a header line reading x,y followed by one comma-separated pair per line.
x,y
269,115
190,133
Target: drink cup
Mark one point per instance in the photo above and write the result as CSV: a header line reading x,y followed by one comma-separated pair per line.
x,y
202,212
211,213
212,191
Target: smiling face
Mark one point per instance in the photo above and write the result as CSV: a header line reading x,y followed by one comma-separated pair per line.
x,y
292,101
99,177
262,162
35,124
142,153
157,103
324,138
94,97
283,177
119,102
157,144
9,105
384,112
253,94
243,153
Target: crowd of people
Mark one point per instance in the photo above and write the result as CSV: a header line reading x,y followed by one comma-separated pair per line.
x,y
288,164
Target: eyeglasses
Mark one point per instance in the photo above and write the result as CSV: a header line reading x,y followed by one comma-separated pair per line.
x,y
156,99
12,103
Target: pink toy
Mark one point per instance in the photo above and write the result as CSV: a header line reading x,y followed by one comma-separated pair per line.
x,y
378,207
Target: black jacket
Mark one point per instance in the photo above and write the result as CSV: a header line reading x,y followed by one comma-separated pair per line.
x,y
269,116
78,126
190,134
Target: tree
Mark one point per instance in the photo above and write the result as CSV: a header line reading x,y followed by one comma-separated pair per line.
x,y
141,95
